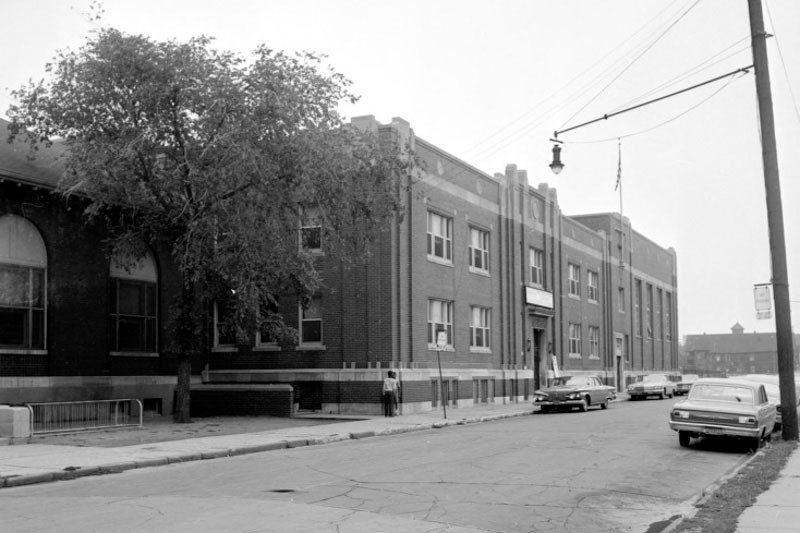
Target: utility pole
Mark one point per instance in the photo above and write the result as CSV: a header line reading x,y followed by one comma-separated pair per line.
x,y
777,244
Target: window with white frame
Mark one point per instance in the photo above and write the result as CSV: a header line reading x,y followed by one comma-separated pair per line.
x,y
134,304
536,260
574,340
311,230
479,327
594,342
621,299
440,318
574,280
591,285
440,237
23,268
311,322
478,250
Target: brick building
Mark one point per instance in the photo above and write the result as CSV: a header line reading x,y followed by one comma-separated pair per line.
x,y
734,353
514,286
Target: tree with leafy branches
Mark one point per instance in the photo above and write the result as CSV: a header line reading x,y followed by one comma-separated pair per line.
x,y
219,157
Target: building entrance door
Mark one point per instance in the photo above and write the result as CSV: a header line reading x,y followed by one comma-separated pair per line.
x,y
538,341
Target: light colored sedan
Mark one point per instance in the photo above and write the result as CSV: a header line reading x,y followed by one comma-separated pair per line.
x,y
726,407
652,385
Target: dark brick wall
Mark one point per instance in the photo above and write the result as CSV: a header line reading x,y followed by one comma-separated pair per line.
x,y
237,402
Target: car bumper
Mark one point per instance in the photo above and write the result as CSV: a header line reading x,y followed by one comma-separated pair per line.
x,y
558,403
645,392
709,429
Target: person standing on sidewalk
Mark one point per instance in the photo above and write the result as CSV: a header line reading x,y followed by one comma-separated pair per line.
x,y
390,391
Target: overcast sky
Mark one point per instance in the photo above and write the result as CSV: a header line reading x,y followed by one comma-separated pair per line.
x,y
490,80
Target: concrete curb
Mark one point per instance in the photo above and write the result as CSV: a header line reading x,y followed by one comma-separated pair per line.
x,y
117,467
708,492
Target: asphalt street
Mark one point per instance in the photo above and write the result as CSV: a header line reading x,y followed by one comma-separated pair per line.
x,y
615,470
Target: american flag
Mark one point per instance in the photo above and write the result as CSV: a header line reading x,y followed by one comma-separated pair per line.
x,y
619,164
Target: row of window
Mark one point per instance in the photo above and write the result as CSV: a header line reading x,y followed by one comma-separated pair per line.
x,y
440,319
576,341
657,320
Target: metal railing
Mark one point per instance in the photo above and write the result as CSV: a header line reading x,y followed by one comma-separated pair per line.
x,y
62,417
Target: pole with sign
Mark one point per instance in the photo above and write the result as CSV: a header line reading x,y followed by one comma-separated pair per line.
x,y
441,342
763,299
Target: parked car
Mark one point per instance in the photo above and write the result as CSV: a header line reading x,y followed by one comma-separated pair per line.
x,y
574,391
727,407
772,386
652,385
685,383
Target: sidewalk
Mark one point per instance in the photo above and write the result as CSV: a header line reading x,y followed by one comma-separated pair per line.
x,y
778,508
25,464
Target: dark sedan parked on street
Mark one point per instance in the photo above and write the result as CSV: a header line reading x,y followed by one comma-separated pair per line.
x,y
574,391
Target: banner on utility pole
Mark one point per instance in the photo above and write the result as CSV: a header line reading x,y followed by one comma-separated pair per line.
x,y
763,299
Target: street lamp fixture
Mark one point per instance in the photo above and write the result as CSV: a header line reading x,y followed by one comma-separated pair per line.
x,y
556,166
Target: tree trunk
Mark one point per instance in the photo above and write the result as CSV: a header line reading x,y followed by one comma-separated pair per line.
x,y
182,409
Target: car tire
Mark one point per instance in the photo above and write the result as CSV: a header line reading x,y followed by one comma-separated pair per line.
x,y
684,437
544,410
584,406
755,444
604,405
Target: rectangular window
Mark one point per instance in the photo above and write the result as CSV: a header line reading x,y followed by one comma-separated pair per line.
x,y
311,230
649,310
440,318
265,338
133,316
621,299
478,250
574,340
637,307
479,327
659,306
594,342
536,260
440,237
574,280
592,280
224,333
668,317
311,322
21,307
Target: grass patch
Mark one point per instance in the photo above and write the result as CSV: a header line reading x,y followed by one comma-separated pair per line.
x,y
719,513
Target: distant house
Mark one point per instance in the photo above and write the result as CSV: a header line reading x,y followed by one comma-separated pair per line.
x,y
733,353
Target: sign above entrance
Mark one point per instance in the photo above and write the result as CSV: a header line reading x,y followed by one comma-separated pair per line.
x,y
534,296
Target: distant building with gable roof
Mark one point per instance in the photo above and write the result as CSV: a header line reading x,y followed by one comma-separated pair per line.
x,y
733,353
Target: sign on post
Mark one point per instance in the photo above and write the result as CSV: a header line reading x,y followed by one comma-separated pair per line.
x,y
441,340
763,299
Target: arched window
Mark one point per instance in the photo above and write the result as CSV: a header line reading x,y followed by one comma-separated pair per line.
x,y
134,305
23,278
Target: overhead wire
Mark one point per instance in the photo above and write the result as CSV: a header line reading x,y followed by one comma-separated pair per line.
x,y
639,56
571,97
783,63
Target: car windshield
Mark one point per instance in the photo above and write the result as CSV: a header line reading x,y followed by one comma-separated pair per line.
x,y
569,381
654,378
722,393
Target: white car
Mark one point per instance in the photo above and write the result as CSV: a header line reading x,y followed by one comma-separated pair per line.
x,y
652,385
